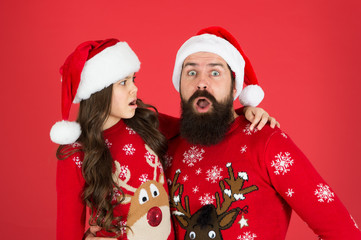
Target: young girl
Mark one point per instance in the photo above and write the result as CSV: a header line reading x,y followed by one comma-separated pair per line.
x,y
111,158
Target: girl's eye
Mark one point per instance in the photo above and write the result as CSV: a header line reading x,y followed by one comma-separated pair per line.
x,y
192,73
134,79
122,83
215,73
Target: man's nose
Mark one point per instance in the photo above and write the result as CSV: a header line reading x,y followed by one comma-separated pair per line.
x,y
202,82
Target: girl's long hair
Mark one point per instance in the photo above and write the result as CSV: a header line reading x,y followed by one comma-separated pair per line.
x,y
98,163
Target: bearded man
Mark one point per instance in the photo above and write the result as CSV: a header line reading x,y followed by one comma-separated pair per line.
x,y
227,180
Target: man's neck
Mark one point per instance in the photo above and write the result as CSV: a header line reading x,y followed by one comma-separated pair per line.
x,y
235,115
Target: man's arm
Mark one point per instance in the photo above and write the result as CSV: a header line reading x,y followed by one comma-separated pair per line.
x,y
296,180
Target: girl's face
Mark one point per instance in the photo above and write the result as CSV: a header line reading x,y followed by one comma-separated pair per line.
x,y
123,103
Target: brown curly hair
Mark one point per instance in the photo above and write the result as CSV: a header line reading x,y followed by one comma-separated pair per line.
x,y
98,163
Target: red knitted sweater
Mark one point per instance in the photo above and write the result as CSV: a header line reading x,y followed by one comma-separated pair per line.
x,y
246,187
138,172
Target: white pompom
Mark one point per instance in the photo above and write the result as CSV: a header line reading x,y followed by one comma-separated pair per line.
x,y
65,132
252,95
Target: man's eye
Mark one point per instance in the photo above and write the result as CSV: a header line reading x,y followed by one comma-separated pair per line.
x,y
192,73
215,73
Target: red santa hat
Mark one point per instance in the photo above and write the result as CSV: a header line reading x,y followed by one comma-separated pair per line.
x,y
93,66
219,41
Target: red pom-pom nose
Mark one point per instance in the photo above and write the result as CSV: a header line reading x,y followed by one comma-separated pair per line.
x,y
154,216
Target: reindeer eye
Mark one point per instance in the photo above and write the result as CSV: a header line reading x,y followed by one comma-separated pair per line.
x,y
154,190
143,196
211,234
192,235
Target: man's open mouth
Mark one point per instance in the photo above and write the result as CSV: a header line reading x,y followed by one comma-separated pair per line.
x,y
202,104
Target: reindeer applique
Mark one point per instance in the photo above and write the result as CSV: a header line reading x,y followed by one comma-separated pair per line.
x,y
148,216
209,220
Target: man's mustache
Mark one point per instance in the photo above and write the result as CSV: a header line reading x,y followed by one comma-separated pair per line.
x,y
202,93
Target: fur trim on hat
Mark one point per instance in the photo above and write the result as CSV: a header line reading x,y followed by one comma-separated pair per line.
x,y
213,44
107,67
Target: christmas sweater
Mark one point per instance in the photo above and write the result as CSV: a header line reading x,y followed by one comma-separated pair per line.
x,y
246,187
137,171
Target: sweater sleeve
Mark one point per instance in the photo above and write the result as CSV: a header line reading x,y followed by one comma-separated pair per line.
x,y
70,208
297,181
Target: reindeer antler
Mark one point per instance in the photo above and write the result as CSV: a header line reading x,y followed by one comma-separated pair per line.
x,y
149,160
235,193
176,201
118,181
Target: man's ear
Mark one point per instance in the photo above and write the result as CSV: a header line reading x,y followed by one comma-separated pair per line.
x,y
234,91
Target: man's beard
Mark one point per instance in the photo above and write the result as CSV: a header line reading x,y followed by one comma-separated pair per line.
x,y
206,128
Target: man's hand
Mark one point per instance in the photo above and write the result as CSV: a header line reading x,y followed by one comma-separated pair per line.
x,y
259,117
90,234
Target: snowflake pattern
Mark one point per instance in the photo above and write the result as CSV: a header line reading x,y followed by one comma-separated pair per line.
x,y
243,149
150,157
109,144
248,131
198,171
143,178
290,192
123,170
185,178
247,236
207,199
130,130
77,162
168,160
128,149
192,156
123,228
116,194
324,194
282,163
214,174
195,189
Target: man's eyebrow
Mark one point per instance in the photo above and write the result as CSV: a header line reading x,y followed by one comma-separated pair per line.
x,y
190,64
209,64
216,64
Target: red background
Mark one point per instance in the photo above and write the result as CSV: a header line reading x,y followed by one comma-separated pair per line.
x,y
306,55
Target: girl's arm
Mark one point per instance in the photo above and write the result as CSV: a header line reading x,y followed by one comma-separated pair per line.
x,y
70,208
258,117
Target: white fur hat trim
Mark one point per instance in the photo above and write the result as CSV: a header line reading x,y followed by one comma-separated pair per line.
x,y
107,67
213,44
65,132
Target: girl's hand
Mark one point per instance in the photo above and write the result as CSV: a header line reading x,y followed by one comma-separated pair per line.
x,y
90,234
258,116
